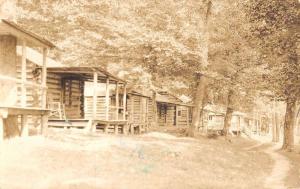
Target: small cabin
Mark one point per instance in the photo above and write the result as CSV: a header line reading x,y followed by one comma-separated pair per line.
x,y
18,83
214,116
138,111
82,97
171,111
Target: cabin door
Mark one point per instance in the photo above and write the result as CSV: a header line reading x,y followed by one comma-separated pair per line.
x,y
72,98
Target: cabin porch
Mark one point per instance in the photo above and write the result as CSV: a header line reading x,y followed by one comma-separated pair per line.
x,y
71,107
22,94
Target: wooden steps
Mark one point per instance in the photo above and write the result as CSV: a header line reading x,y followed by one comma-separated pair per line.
x,y
80,124
112,126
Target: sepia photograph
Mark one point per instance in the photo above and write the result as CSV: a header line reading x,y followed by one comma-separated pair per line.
x,y
149,94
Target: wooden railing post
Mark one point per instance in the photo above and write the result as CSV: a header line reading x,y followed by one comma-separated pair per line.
x,y
176,115
107,100
23,75
95,95
44,79
117,100
44,118
124,102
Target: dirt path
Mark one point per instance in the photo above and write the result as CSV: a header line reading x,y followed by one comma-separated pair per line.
x,y
280,170
281,166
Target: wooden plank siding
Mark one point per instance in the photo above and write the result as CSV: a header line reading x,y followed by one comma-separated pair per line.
x,y
67,92
33,94
88,107
137,109
182,117
101,108
151,112
166,115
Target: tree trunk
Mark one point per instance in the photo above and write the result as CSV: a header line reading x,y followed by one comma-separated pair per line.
x,y
275,123
289,122
198,101
229,111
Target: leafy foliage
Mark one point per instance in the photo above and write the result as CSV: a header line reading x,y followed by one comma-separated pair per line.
x,y
275,26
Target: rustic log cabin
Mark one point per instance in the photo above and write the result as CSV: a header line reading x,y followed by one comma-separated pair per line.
x,y
170,110
74,105
17,82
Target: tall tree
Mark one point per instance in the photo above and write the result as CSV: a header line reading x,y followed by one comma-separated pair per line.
x,y
232,58
275,26
199,94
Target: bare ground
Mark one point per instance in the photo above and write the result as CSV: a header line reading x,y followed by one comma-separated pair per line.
x,y
71,160
292,181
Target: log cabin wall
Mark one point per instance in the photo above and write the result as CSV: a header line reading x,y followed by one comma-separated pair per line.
x,y
166,115
161,114
151,110
33,94
137,108
182,116
67,92
8,64
71,98
170,116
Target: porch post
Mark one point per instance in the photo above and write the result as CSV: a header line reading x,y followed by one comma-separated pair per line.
x,y
23,75
239,125
1,129
124,102
44,78
24,126
107,100
44,120
146,116
95,95
187,117
176,115
117,100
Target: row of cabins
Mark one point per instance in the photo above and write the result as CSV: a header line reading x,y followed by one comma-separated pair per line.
x,y
214,116
38,92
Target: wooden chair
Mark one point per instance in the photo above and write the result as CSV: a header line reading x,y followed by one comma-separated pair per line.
x,y
57,110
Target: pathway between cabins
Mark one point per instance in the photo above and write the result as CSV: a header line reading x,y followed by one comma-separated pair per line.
x,y
281,166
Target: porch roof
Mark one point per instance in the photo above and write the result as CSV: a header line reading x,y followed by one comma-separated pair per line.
x,y
165,97
84,72
10,28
